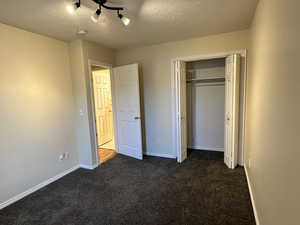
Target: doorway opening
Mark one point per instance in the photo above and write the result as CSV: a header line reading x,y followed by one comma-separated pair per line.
x,y
103,109
209,106
205,104
115,111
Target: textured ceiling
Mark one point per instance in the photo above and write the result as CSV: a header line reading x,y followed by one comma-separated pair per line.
x,y
152,21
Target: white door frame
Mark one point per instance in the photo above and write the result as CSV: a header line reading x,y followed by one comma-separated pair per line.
x,y
174,90
91,93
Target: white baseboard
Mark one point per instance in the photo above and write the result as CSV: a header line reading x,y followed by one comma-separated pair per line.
x,y
160,155
88,167
36,187
252,197
206,148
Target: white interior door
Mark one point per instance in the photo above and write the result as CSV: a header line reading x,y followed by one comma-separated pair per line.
x,y
180,68
103,106
127,107
232,110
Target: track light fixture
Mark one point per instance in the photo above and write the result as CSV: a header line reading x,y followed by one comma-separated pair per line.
x,y
102,3
124,19
96,15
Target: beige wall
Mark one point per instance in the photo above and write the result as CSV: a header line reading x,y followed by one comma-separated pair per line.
x,y
80,101
155,63
36,115
273,122
41,99
80,53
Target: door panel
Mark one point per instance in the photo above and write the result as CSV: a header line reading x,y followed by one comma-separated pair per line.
x,y
103,106
180,68
127,105
232,110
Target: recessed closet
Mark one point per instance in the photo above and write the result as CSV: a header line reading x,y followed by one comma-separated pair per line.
x,y
205,104
209,105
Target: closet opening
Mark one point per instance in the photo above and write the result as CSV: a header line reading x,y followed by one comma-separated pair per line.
x,y
209,106
205,104
103,111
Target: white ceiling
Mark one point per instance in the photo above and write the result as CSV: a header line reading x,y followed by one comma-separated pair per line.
x,y
152,21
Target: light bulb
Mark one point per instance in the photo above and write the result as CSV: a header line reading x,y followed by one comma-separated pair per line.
x,y
125,20
72,7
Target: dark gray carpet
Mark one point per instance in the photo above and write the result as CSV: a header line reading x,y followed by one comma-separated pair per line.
x,y
155,191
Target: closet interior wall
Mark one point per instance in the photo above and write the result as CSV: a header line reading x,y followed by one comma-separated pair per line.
x,y
206,104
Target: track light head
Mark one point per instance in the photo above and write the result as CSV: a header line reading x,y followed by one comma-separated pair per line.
x,y
72,7
125,20
96,15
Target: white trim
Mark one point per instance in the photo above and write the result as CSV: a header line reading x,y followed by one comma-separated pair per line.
x,y
243,138
252,197
160,155
90,92
199,148
114,106
89,167
36,187
210,56
243,53
174,109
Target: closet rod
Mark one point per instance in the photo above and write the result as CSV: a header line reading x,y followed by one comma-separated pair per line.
x,y
210,84
212,80
207,78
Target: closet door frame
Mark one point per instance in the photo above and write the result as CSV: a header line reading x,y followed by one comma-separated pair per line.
x,y
176,103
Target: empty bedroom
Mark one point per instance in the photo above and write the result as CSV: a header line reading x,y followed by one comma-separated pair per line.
x,y
149,112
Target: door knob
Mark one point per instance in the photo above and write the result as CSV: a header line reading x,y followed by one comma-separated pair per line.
x,y
137,118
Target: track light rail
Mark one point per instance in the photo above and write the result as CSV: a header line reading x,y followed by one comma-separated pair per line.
x,y
102,3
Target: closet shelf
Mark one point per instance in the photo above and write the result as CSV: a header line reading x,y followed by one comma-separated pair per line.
x,y
215,78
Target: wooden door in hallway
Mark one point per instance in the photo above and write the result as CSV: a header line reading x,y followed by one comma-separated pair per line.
x,y
103,106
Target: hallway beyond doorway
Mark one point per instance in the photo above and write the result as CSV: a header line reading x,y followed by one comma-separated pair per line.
x,y
109,145
106,154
